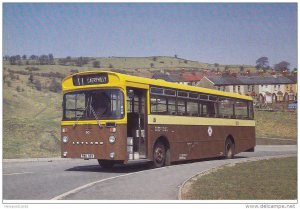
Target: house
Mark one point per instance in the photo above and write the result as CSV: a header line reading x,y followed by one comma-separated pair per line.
x,y
266,89
192,78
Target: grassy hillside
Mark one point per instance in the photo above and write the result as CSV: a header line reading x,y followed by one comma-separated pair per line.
x,y
30,120
132,63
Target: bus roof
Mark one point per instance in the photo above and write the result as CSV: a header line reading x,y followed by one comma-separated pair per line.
x,y
159,83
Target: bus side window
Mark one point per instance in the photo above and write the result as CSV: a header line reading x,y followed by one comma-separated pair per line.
x,y
192,108
171,106
203,109
181,107
158,105
211,109
241,109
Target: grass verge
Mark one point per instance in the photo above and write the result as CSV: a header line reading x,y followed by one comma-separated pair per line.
x,y
276,124
273,179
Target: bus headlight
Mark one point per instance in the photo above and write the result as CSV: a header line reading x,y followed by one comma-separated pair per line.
x,y
65,139
112,139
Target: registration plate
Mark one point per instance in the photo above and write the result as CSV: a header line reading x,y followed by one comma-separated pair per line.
x,y
87,156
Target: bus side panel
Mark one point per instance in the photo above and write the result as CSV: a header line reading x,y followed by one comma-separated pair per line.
x,y
189,142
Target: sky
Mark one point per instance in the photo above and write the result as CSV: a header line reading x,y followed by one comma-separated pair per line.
x,y
224,33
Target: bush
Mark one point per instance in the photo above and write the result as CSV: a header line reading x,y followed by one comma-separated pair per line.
x,y
38,85
8,83
32,69
18,89
55,86
30,79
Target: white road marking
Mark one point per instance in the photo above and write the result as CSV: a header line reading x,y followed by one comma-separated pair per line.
x,y
59,197
11,174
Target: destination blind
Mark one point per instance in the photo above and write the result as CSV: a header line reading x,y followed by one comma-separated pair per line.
x,y
90,79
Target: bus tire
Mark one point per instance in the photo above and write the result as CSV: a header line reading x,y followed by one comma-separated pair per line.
x,y
159,155
229,149
106,164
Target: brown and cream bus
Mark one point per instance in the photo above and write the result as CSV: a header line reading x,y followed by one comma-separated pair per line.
x,y
117,118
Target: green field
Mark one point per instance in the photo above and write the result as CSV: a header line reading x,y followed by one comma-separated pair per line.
x,y
31,117
274,179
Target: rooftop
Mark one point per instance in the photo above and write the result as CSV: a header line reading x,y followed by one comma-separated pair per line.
x,y
249,80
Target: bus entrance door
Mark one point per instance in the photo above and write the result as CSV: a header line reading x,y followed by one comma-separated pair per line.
x,y
136,120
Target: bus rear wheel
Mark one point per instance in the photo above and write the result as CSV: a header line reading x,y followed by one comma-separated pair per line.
x,y
106,163
159,155
229,149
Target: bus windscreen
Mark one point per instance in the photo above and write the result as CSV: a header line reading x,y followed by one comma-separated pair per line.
x,y
88,105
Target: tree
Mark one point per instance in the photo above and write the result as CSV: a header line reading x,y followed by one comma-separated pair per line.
x,y
79,61
51,59
96,64
6,57
34,57
242,68
281,66
12,60
262,62
24,57
176,56
38,85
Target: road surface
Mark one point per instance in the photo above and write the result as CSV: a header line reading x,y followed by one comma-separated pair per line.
x,y
69,179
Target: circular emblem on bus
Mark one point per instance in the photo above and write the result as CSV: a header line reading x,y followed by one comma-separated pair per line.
x,y
209,131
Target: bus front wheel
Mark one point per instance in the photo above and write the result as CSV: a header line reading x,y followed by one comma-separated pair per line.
x,y
106,163
159,155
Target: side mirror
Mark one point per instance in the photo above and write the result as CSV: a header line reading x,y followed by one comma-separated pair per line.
x,y
130,94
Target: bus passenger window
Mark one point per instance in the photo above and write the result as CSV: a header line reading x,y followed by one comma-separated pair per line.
x,y
211,109
192,108
203,109
181,107
241,109
158,105
171,106
225,108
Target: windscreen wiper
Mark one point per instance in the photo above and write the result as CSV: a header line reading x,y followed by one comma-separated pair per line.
x,y
76,122
95,115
